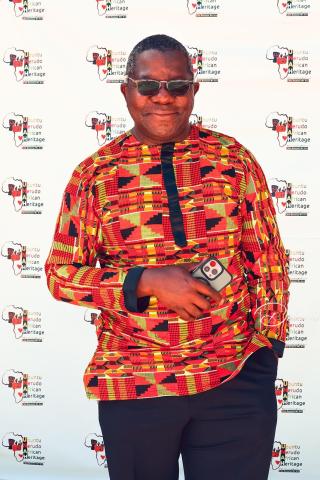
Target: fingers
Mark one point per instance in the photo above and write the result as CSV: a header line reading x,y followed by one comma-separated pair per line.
x,y
201,302
206,290
200,286
188,266
192,311
182,312
184,315
187,296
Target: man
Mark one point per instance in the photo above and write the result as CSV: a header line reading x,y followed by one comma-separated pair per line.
x,y
179,367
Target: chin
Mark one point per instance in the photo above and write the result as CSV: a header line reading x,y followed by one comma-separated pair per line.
x,y
163,131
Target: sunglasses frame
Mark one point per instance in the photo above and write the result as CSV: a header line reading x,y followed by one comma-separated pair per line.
x,y
159,82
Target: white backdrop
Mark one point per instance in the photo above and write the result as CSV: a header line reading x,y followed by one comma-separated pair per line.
x,y
259,83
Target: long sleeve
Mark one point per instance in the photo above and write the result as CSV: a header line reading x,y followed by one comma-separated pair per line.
x,y
72,275
264,258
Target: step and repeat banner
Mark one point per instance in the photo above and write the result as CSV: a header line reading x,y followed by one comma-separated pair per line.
x,y
61,65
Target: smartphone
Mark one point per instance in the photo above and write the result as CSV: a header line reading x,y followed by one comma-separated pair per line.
x,y
212,272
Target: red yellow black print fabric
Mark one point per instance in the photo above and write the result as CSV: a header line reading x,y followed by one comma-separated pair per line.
x,y
130,205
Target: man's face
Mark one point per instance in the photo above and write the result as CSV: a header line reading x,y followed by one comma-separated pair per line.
x,y
162,117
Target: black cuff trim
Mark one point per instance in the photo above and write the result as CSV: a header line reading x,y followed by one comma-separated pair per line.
x,y
131,301
277,346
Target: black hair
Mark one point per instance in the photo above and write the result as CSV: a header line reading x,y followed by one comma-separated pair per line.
x,y
160,42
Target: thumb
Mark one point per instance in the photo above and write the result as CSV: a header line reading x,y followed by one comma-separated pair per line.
x,y
189,266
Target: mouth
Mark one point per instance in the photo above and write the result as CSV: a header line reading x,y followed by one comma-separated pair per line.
x,y
167,114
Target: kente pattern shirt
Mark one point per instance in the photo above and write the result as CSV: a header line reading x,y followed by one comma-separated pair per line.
x,y
132,206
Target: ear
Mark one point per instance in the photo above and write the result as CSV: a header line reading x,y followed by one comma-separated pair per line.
x,y
123,89
196,87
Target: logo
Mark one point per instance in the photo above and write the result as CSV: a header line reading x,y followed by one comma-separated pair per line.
x,y
95,443
289,396
204,64
17,381
291,133
26,197
27,325
289,199
203,8
26,389
291,65
106,127
112,8
92,316
25,260
297,266
207,122
111,65
294,8
28,9
270,314
27,66
18,444
26,450
286,458
296,337
26,131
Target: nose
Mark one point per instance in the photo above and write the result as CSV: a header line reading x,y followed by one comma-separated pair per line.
x,y
163,96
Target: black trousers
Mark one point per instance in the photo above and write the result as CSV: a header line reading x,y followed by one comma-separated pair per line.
x,y
226,433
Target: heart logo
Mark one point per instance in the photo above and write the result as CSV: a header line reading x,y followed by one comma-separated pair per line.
x,y
283,204
194,5
21,72
20,455
19,266
20,394
19,330
103,136
104,6
20,8
284,4
279,401
19,202
284,137
102,457
104,71
277,462
285,70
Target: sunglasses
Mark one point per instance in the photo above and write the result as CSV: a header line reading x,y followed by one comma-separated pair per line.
x,y
152,87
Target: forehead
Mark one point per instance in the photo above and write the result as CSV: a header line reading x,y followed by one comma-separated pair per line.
x,y
161,65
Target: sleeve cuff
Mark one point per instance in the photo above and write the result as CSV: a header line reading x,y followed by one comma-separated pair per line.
x,y
277,346
131,301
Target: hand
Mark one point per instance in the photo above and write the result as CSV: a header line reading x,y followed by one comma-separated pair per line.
x,y
175,287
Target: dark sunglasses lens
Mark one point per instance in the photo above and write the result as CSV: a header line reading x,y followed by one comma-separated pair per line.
x,y
178,87
148,87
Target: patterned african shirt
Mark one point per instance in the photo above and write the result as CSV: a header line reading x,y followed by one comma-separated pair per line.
x,y
131,206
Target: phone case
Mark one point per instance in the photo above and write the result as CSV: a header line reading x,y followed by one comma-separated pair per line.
x,y
212,272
